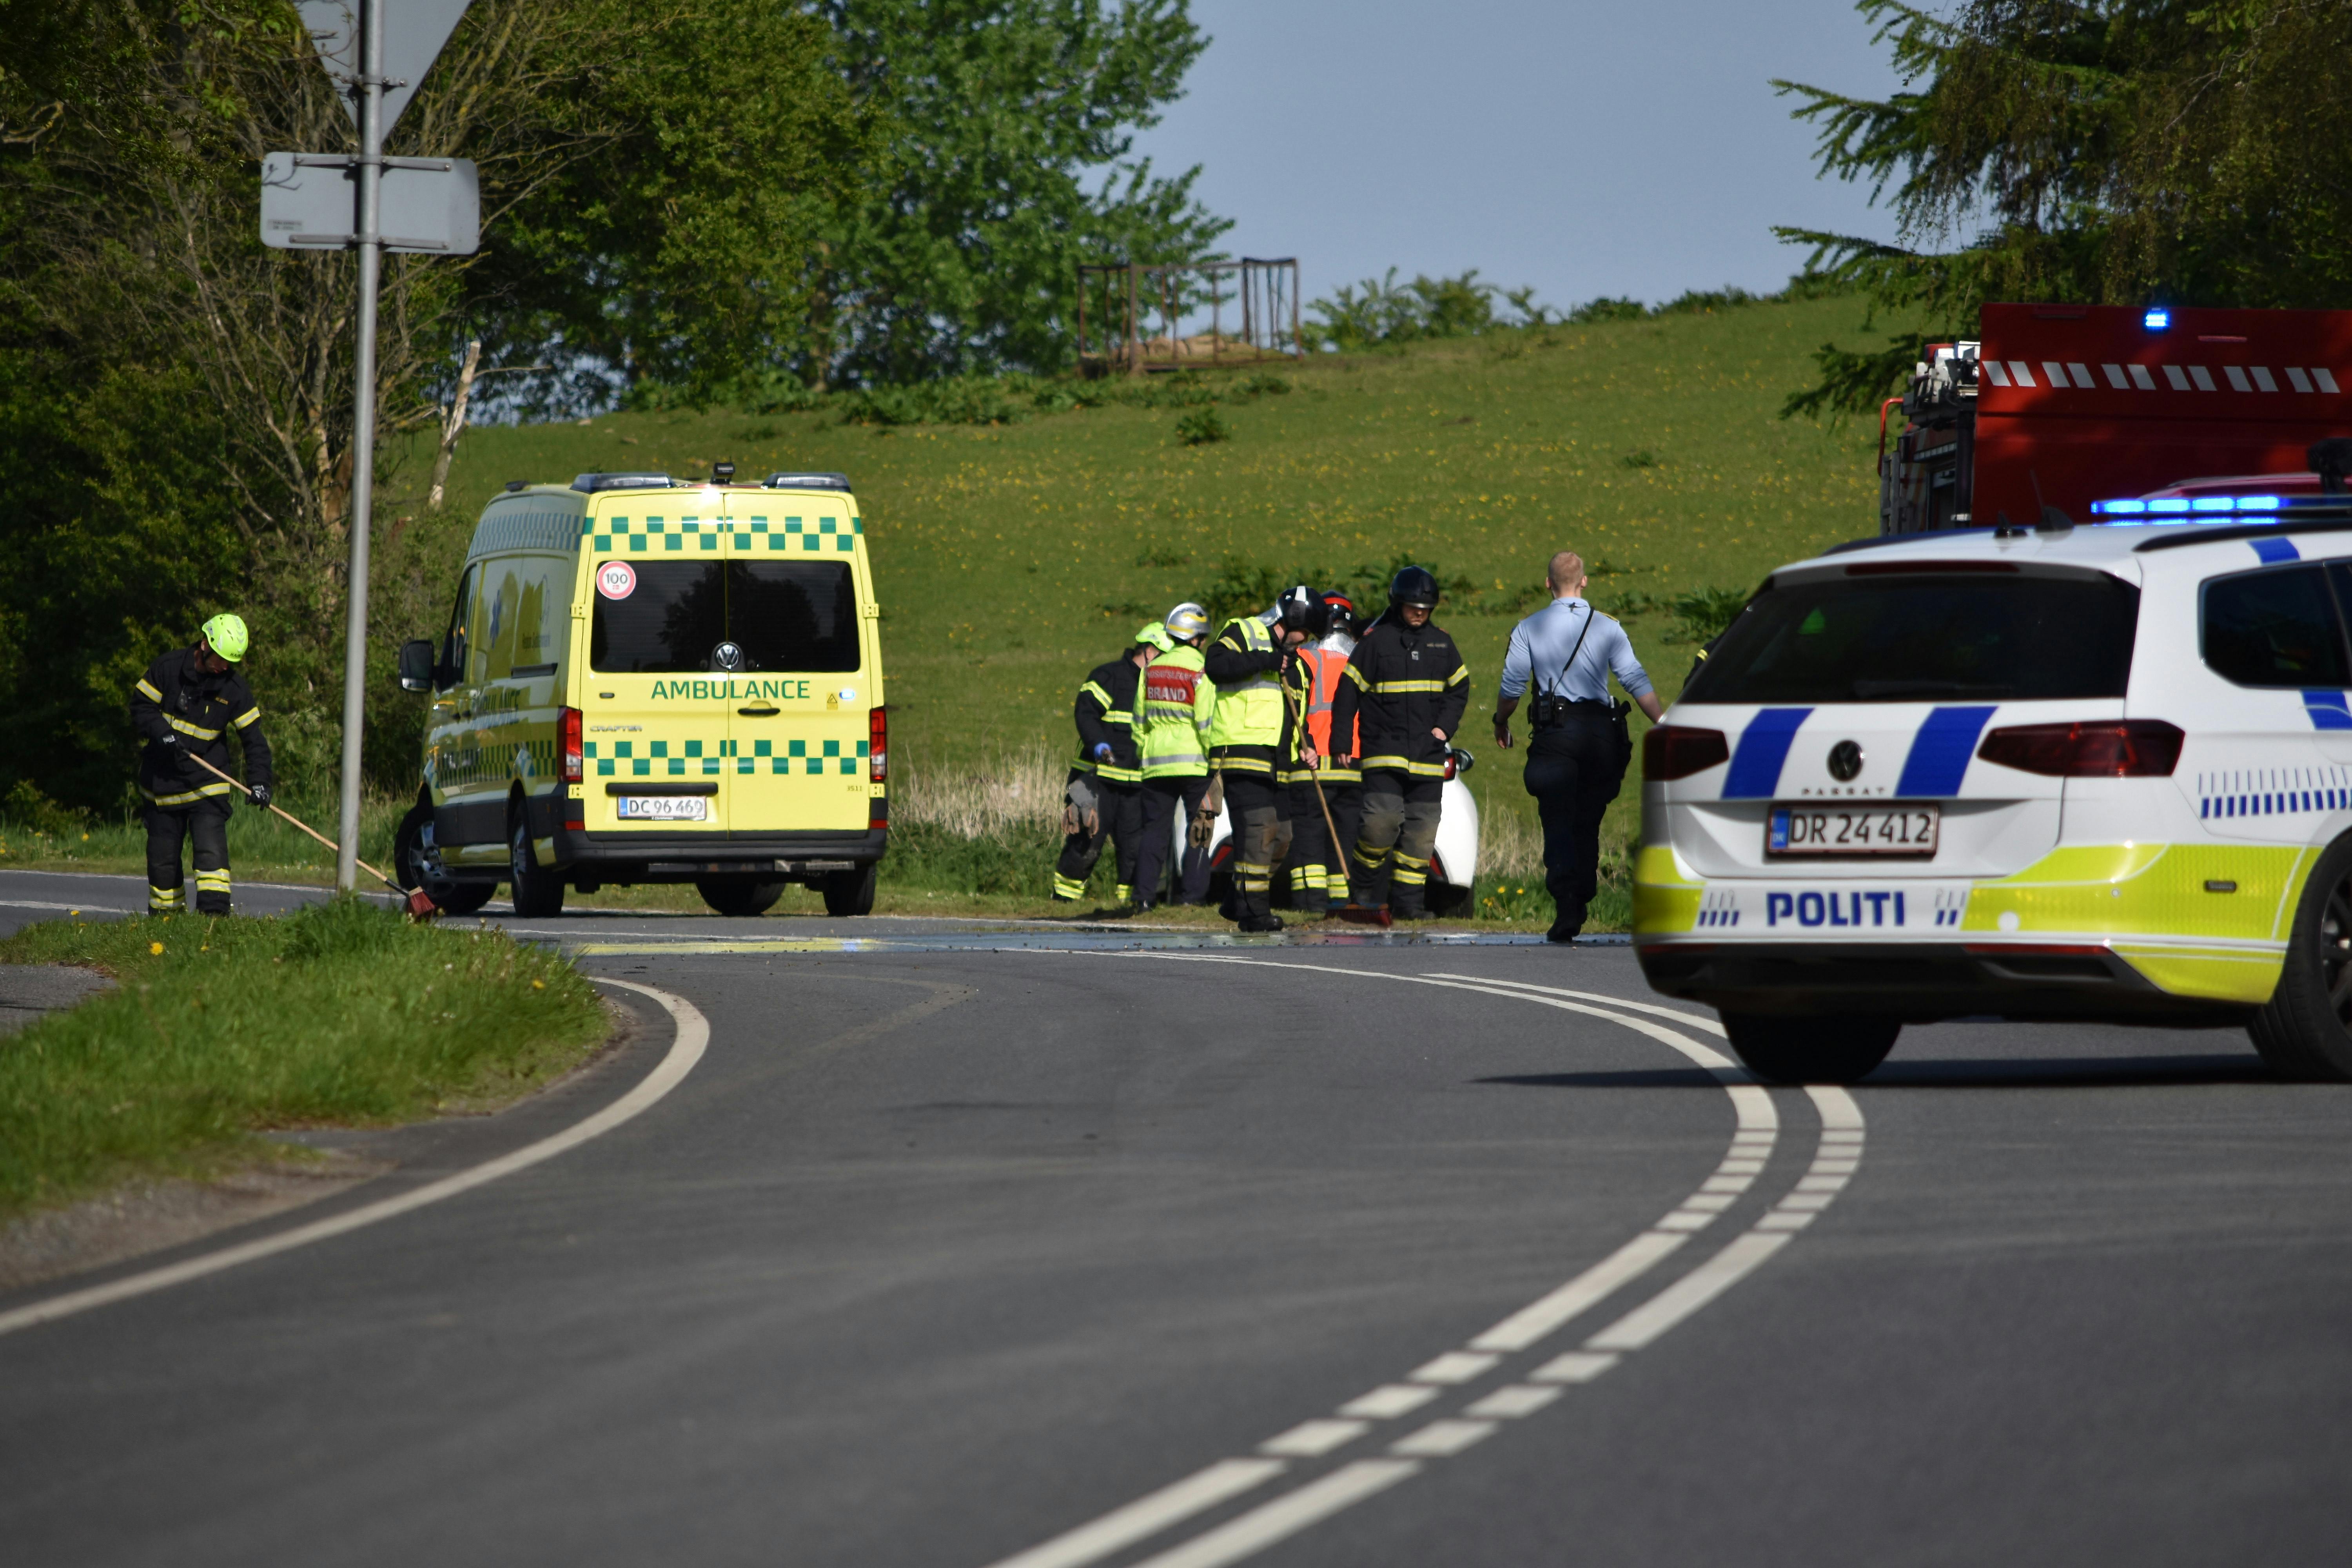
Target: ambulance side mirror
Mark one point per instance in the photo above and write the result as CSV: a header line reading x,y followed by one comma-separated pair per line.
x,y
416,670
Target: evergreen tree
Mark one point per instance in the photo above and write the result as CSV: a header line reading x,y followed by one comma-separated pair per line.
x,y
2112,152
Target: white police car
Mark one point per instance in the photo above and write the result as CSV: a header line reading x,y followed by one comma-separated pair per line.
x,y
2101,773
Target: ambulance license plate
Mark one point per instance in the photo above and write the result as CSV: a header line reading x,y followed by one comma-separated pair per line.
x,y
1796,832
666,807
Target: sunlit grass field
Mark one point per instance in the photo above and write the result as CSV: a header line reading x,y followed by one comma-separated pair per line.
x,y
1011,558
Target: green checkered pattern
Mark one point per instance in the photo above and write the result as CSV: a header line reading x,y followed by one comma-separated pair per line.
x,y
650,534
662,759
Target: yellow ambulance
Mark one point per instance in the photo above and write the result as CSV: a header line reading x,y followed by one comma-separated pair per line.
x,y
649,679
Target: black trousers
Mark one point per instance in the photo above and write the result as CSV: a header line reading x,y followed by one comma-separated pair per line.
x,y
1573,770
206,822
1159,804
1394,839
1120,820
1311,865
1254,806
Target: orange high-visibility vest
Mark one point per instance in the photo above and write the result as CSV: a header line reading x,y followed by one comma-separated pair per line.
x,y
1325,664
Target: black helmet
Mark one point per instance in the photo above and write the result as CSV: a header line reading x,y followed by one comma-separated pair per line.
x,y
1300,609
1414,585
1339,613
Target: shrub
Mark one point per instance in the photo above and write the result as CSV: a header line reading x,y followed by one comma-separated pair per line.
x,y
1201,426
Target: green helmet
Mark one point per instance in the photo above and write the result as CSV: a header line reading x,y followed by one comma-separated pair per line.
x,y
225,636
1152,634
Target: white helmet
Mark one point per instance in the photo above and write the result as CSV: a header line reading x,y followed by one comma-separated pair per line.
x,y
1188,620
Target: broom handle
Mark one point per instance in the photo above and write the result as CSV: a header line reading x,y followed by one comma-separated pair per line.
x,y
301,824
1299,715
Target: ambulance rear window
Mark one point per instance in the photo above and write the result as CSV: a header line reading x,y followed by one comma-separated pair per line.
x,y
794,616
1926,638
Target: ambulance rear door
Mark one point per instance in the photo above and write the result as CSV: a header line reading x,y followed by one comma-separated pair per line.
x,y
798,708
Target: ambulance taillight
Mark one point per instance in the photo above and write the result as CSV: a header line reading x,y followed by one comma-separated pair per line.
x,y
877,749
567,740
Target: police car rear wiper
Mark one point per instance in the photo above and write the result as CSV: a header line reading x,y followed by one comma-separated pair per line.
x,y
1871,691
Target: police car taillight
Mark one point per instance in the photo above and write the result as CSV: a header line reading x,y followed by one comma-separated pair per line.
x,y
877,745
567,741
1678,750
2108,748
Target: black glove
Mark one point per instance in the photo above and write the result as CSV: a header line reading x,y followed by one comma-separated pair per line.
x,y
259,794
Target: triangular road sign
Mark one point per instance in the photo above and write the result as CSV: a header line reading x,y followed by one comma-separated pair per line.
x,y
414,32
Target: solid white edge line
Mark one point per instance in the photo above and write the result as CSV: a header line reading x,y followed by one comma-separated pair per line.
x,y
692,1039
1147,1515
1286,1516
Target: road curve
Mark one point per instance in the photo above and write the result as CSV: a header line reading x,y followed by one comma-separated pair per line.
x,y
951,1249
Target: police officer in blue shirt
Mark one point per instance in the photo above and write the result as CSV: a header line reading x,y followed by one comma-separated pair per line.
x,y
1577,756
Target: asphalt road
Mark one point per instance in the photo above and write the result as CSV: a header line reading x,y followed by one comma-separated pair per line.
x,y
950,1246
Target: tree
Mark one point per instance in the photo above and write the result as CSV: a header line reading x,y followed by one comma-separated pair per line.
x,y
963,258
2118,151
175,399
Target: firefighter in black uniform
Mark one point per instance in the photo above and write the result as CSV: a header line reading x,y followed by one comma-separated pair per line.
x,y
183,706
1105,792
1404,694
1251,739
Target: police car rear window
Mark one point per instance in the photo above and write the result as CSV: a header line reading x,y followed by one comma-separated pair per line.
x,y
1926,638
783,615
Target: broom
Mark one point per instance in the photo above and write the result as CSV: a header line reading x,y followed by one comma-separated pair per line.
x,y
421,906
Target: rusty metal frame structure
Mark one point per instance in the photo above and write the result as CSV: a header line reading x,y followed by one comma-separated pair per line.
x,y
1266,290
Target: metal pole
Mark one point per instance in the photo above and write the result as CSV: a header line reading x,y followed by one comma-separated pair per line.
x,y
362,510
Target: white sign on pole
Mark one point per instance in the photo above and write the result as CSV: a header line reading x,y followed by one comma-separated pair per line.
x,y
414,32
429,207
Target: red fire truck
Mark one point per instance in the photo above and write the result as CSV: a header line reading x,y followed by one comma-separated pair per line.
x,y
2054,406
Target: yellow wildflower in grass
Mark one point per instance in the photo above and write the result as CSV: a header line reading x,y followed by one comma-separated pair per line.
x,y
154,949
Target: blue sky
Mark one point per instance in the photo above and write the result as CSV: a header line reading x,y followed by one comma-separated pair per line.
x,y
1587,148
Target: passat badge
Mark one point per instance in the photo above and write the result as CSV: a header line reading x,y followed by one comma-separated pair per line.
x,y
1845,761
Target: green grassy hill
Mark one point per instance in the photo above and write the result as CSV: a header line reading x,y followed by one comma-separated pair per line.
x,y
1012,557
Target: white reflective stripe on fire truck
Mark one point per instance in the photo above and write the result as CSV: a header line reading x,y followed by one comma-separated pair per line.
x,y
2253,378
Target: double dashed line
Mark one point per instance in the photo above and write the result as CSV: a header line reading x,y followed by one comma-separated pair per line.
x,y
1524,1392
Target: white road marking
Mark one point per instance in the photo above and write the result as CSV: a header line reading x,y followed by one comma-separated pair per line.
x,y
1441,1439
1540,1318
66,909
1576,1366
1313,1439
1694,1020
1286,1516
1455,1366
1689,1294
1758,1128
1389,1401
693,1037
1150,1515
1508,1403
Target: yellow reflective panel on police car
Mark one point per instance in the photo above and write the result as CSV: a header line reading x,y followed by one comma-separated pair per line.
x,y
655,734
798,694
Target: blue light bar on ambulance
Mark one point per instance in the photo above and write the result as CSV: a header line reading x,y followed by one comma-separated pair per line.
x,y
2156,319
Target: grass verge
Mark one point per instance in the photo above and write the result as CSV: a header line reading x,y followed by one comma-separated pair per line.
x,y
342,1014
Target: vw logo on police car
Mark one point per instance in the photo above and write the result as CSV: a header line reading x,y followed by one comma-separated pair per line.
x,y
1845,762
616,579
727,657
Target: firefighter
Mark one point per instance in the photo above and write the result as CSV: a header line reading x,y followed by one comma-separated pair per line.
x,y
1175,702
1105,792
181,707
1577,756
1251,740
1188,624
1324,876
1403,695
